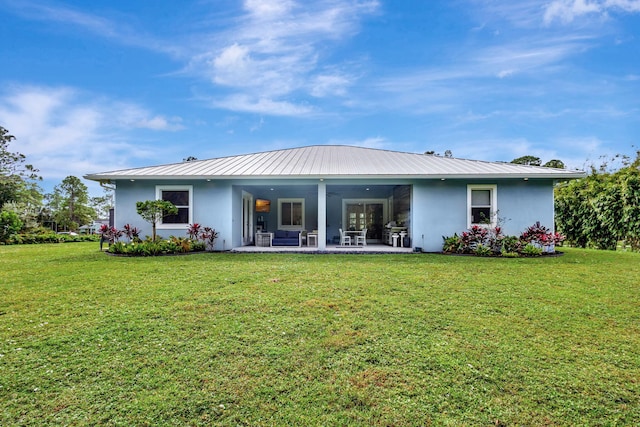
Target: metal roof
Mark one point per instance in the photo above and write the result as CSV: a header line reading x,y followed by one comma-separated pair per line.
x,y
335,161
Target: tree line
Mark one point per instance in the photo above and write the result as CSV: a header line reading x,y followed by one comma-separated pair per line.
x,y
25,207
602,210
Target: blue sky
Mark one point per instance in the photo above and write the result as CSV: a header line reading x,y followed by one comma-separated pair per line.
x,y
92,86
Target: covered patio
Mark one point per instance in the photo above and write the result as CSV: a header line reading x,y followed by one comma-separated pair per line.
x,y
322,209
330,249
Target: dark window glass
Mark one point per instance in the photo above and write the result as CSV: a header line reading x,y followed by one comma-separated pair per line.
x,y
178,198
181,218
286,213
480,215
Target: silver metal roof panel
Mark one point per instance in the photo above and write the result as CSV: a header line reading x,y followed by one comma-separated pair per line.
x,y
336,161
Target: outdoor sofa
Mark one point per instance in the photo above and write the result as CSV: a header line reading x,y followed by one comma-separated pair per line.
x,y
286,238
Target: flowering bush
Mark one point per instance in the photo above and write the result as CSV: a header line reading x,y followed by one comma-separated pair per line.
x,y
110,234
484,241
132,233
540,236
198,239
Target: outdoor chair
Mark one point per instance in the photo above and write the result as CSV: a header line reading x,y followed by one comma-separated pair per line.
x,y
361,239
344,238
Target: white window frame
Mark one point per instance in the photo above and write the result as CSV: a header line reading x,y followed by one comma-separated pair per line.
x,y
189,188
493,209
282,226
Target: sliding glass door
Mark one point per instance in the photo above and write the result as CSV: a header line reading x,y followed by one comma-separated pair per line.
x,y
370,214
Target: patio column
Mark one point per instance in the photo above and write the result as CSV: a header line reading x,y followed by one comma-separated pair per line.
x,y
322,216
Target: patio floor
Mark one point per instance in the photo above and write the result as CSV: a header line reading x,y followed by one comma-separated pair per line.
x,y
332,249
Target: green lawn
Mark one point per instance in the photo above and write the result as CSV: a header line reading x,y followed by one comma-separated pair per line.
x,y
305,340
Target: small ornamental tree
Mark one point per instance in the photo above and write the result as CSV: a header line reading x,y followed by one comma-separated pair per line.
x,y
153,211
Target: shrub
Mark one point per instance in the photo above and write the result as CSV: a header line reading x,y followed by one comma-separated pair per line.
x,y
485,241
132,233
482,250
198,239
198,246
541,236
473,237
532,250
10,224
452,244
511,244
50,237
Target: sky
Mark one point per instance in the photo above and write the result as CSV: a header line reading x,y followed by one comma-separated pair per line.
x,y
95,86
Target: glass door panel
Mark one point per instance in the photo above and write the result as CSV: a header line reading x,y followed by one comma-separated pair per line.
x,y
374,220
355,216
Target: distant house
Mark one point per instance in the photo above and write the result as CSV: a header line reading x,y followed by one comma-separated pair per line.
x,y
94,227
327,188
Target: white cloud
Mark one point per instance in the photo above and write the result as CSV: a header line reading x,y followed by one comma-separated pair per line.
x,y
258,105
330,85
378,142
268,8
274,51
65,132
232,65
122,32
132,116
567,10
505,73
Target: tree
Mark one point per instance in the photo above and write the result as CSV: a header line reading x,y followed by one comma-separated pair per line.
x,y
601,209
69,203
527,160
102,204
555,163
153,211
10,224
447,153
14,174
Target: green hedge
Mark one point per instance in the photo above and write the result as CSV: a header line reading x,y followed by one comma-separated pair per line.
x,y
29,239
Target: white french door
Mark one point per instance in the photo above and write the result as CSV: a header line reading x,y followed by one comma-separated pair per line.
x,y
371,214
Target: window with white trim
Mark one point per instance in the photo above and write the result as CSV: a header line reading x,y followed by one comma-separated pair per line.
x,y
182,197
482,203
291,214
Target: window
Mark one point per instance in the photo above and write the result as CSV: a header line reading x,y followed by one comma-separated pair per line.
x,y
481,205
291,214
182,197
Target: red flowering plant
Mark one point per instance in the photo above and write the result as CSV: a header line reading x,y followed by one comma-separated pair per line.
x,y
487,240
541,236
209,235
194,231
132,233
109,235
481,238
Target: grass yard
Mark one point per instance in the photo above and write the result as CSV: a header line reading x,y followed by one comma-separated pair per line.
x,y
317,340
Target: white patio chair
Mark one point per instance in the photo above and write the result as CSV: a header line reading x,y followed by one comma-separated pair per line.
x,y
361,239
345,239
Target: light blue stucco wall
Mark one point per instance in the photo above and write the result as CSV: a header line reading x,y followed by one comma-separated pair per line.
x,y
438,208
212,207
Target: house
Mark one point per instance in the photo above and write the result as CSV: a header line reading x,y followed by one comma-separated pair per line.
x,y
330,187
94,227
